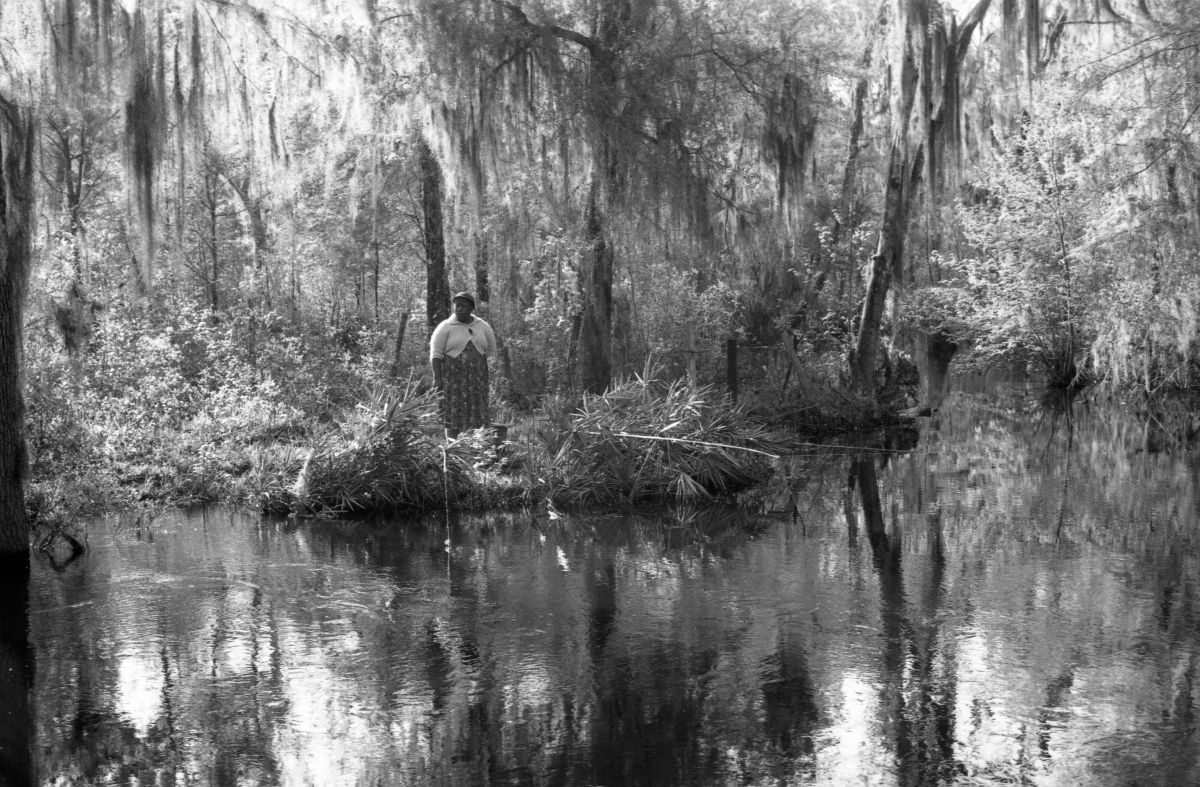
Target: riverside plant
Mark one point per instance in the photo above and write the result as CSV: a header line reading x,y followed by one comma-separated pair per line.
x,y
383,458
649,441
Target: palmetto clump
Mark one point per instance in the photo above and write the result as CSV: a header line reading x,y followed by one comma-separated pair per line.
x,y
648,441
382,459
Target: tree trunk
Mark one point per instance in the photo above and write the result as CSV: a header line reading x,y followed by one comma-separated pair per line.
x,y
613,23
260,235
906,165
16,670
933,353
396,356
893,225
853,146
573,349
72,165
483,287
16,196
505,360
212,229
142,128
595,337
437,282
888,255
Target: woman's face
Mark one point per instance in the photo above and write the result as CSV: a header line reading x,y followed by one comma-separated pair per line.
x,y
463,309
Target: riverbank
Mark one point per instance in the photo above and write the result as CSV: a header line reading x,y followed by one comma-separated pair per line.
x,y
645,441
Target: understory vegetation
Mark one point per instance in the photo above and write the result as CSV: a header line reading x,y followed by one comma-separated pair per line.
x,y
223,277
169,411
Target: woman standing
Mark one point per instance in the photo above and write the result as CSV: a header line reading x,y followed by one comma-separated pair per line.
x,y
458,352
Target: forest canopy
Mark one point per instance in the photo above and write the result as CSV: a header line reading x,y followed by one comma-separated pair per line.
x,y
248,213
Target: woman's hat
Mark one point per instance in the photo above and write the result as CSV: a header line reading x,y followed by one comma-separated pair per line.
x,y
466,296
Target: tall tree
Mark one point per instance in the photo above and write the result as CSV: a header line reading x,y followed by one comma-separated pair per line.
x,y
16,227
17,142
437,283
914,112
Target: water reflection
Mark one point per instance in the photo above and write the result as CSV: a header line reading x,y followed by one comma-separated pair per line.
x,y
1010,601
16,674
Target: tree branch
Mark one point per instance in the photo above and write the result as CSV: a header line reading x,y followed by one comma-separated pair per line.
x,y
592,45
970,22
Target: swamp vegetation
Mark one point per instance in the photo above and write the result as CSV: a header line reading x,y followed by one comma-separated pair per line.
x,y
708,233
228,229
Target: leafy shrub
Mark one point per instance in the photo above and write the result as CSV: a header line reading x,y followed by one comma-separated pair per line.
x,y
165,404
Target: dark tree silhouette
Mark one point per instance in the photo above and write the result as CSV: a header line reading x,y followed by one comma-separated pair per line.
x,y
16,669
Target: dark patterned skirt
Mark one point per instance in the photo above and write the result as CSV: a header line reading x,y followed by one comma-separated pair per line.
x,y
465,390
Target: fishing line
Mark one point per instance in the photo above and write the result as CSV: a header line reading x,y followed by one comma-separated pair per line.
x,y
446,503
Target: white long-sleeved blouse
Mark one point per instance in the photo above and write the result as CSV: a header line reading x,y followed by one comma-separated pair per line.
x,y
450,338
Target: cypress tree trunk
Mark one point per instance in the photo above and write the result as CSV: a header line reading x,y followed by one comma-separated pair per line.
x,y
889,253
884,264
857,122
16,670
437,283
16,187
260,235
483,286
595,336
606,187
906,165
933,353
143,117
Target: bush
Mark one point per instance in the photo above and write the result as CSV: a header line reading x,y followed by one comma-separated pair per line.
x,y
649,441
381,459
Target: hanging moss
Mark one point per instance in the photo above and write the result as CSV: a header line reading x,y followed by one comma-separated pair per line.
x,y
143,126
788,135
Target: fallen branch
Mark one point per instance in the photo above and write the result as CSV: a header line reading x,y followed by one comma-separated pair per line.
x,y
681,440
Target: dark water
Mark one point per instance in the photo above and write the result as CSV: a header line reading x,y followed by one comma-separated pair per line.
x,y
1014,601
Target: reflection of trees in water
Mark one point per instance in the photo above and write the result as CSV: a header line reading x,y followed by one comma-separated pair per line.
x,y
16,673
624,708
1076,541
688,649
128,714
639,733
243,741
918,668
790,709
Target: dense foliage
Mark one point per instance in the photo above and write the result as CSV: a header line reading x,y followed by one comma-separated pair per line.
x,y
249,214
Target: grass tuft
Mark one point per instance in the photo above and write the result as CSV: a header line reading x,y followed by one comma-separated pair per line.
x,y
381,459
646,440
